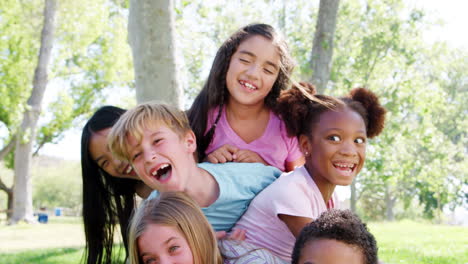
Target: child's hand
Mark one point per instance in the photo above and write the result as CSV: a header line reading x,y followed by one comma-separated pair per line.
x,y
223,154
245,155
236,234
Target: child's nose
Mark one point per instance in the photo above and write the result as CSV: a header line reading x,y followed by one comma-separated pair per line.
x,y
252,71
348,149
150,156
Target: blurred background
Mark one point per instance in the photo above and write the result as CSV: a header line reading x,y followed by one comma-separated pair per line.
x,y
413,54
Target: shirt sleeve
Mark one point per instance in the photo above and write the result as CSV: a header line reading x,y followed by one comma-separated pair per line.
x,y
289,197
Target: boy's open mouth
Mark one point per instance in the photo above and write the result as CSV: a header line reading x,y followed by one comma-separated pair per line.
x,y
162,173
128,169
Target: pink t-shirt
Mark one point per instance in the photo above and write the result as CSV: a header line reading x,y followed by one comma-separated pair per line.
x,y
274,146
293,193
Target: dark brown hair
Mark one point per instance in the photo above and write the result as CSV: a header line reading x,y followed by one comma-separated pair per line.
x,y
107,200
215,93
300,113
340,225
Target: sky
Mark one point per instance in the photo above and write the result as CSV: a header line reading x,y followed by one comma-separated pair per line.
x,y
453,30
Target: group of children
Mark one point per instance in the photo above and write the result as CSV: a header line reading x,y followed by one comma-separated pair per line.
x,y
252,158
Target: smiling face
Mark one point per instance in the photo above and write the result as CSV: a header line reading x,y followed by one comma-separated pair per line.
x,y
330,251
336,147
163,244
253,70
162,159
100,153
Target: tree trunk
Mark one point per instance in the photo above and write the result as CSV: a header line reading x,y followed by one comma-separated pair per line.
x,y
151,37
353,199
389,204
9,193
322,49
22,191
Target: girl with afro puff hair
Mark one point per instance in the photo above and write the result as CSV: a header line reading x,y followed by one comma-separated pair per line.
x,y
344,236
333,135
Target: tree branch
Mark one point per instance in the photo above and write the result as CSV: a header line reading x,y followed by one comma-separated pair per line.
x,y
4,187
8,148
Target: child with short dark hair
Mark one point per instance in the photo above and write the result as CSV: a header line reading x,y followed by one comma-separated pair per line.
x,y
337,236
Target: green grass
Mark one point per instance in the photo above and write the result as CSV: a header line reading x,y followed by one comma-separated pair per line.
x,y
412,242
44,256
62,241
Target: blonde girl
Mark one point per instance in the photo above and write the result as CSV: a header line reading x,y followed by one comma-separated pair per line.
x,y
172,229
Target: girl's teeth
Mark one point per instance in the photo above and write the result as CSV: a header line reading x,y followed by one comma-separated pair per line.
x,y
248,85
129,169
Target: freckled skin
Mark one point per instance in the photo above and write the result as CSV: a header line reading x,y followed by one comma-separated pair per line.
x,y
161,146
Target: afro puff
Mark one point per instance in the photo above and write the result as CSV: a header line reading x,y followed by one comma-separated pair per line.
x,y
300,108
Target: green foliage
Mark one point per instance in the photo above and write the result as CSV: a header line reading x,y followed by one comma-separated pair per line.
x,y
88,36
417,166
57,184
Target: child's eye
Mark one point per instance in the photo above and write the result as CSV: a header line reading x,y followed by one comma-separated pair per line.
x,y
173,249
360,140
156,141
334,138
268,71
104,164
244,60
150,261
136,156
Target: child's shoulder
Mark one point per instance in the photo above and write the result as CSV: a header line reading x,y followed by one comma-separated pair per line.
x,y
239,167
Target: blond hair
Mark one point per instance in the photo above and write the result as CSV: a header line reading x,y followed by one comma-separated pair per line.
x,y
177,210
134,121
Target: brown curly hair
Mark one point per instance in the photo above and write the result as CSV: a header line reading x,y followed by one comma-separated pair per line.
x,y
300,108
340,225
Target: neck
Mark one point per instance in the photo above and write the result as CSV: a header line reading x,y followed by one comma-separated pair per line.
x,y
203,187
239,111
326,188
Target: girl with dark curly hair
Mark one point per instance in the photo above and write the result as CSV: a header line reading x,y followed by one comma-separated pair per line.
x,y
333,135
234,117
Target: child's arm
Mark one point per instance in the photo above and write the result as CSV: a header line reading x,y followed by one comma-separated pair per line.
x,y
223,154
295,223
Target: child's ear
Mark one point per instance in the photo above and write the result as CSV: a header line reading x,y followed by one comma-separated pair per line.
x,y
304,145
190,142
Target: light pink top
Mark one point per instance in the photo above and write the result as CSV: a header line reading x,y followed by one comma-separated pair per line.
x,y
295,194
274,146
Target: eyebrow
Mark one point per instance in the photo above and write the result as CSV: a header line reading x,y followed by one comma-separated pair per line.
x,y
165,242
253,55
339,129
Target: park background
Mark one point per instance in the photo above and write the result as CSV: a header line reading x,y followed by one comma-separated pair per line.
x,y
414,54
